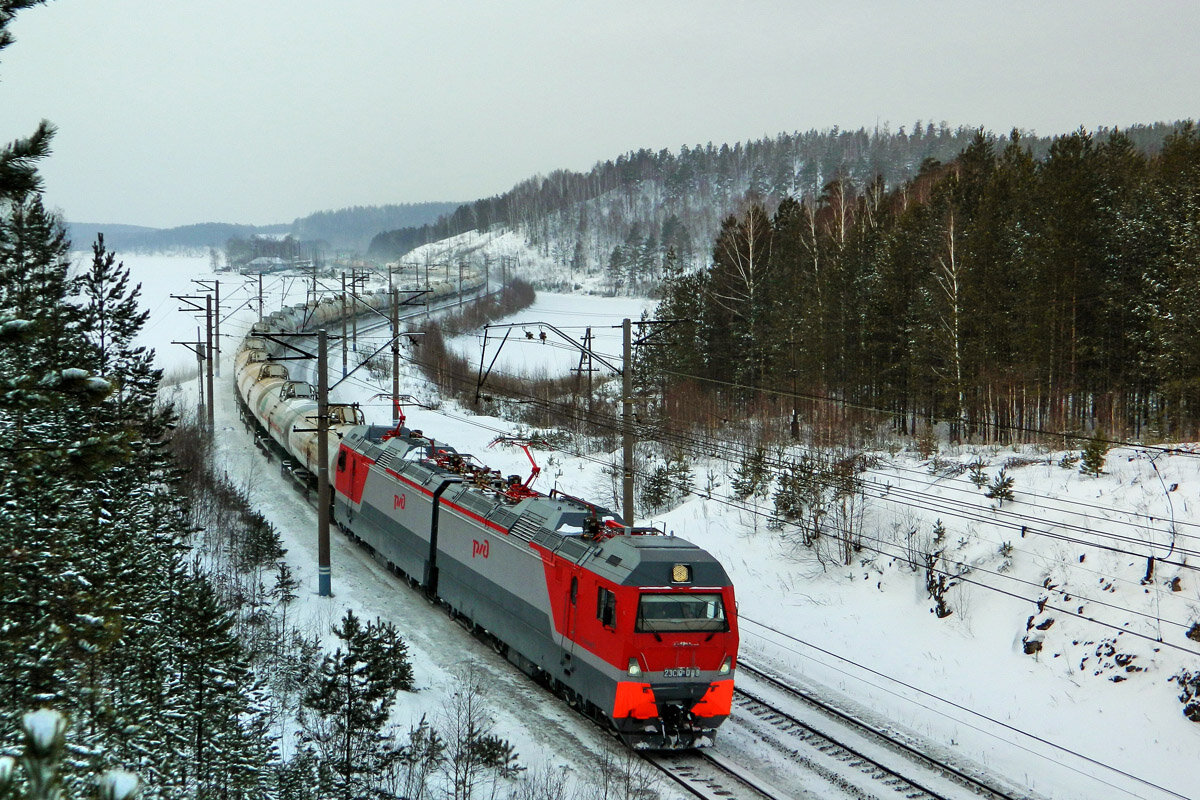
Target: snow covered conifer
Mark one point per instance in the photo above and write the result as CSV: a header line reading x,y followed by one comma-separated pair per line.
x,y
1091,460
355,689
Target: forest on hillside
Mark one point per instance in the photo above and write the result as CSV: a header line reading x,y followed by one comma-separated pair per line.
x,y
353,228
623,216
998,295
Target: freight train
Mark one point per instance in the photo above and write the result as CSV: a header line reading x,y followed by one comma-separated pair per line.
x,y
633,627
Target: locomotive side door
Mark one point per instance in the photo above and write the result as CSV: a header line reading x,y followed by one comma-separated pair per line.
x,y
568,645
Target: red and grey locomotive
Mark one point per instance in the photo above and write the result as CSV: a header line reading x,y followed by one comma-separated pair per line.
x,y
630,625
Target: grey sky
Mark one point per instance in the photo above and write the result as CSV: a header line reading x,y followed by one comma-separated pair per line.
x,y
264,110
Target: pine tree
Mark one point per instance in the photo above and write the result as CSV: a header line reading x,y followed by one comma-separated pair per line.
x,y
1091,460
657,492
1001,487
354,693
737,302
100,618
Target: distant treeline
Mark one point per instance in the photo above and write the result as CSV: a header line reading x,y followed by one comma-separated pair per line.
x,y
698,185
345,229
354,228
999,294
131,238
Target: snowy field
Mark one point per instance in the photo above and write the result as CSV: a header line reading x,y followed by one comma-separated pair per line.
x,y
546,338
1071,721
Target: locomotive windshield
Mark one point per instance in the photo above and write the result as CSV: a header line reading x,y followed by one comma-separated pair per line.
x,y
679,613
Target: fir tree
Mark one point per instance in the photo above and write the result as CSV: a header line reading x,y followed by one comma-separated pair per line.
x,y
1000,488
1091,460
354,693
657,492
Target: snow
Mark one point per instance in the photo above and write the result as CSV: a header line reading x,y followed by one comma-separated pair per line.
x,y
43,727
550,334
118,784
861,635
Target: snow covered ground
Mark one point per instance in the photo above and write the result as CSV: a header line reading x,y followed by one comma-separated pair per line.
x,y
1057,721
548,335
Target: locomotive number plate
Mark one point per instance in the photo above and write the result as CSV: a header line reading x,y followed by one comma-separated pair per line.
x,y
682,672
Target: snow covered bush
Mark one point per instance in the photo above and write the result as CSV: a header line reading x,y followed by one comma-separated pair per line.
x,y
1001,487
39,776
752,477
1189,694
938,582
977,476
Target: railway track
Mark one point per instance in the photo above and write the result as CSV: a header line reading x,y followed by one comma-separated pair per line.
x,y
706,775
854,757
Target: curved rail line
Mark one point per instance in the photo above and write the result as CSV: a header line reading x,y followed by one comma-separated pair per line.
x,y
847,753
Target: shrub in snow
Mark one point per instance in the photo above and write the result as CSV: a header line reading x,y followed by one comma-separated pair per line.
x,y
657,492
1068,461
938,582
1005,552
1091,461
681,475
752,477
977,476
926,443
1001,487
1189,695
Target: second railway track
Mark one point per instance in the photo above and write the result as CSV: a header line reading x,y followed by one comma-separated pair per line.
x,y
854,758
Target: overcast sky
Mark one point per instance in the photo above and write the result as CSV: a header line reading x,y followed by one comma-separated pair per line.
x,y
261,111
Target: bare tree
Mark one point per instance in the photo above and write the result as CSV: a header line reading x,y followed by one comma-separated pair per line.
x,y
474,756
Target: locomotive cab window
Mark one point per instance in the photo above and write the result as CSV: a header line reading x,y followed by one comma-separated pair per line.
x,y
606,608
341,461
680,613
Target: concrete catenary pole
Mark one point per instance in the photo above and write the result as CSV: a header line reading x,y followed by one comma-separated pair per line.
x,y
323,499
217,327
627,422
208,351
395,350
345,341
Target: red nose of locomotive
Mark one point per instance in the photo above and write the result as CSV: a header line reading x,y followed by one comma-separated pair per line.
x,y
679,683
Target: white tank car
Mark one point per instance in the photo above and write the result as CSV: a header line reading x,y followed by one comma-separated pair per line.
x,y
286,409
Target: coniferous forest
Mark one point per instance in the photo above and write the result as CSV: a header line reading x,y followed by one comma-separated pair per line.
x,y
999,295
106,621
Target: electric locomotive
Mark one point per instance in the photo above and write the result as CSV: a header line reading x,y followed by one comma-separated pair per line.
x,y
633,627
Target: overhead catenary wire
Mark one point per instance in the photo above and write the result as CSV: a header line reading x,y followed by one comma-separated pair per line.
x,y
1016,521
614,426
958,706
700,443
900,556
880,549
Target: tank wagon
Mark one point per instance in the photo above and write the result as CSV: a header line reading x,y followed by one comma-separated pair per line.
x,y
635,628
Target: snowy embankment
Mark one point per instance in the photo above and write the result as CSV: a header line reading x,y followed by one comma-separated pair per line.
x,y
505,253
1075,719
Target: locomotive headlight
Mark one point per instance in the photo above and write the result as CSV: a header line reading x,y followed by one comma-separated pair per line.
x,y
681,573
726,665
634,668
